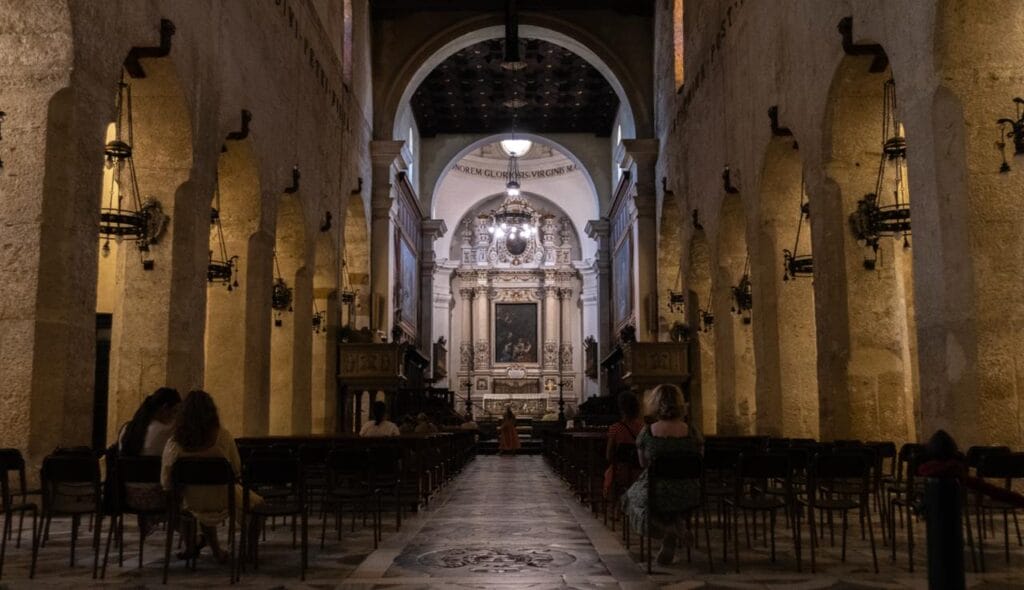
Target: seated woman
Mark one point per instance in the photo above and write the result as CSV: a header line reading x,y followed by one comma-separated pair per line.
x,y
198,433
669,435
508,441
379,426
145,435
151,427
623,432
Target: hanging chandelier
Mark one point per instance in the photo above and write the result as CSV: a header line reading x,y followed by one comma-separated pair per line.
x,y
743,294
873,220
224,269
319,319
124,216
281,299
796,265
676,297
513,221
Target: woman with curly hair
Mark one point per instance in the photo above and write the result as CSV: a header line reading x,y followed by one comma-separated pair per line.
x,y
670,434
198,433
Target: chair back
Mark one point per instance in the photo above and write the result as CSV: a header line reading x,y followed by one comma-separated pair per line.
x,y
976,454
1005,466
70,468
141,469
10,460
271,471
202,471
71,483
851,467
626,454
763,466
677,468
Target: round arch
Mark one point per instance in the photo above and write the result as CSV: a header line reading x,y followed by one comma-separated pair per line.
x,y
448,42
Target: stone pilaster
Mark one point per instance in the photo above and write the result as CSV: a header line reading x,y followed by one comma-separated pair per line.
x,y
385,157
643,154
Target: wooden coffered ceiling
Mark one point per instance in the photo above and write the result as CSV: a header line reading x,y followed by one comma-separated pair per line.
x,y
471,93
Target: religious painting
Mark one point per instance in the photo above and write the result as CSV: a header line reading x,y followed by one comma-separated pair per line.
x,y
622,282
515,333
408,285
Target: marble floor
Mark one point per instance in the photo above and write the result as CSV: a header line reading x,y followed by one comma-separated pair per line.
x,y
506,522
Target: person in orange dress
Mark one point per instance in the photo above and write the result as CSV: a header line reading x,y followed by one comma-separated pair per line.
x,y
508,438
623,432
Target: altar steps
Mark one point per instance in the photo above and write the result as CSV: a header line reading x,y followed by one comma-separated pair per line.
x,y
530,444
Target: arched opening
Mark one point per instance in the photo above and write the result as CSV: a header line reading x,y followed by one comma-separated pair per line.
x,y
325,322
784,326
135,298
291,337
880,371
734,342
229,338
703,392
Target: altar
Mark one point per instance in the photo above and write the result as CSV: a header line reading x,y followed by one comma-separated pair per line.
x,y
524,405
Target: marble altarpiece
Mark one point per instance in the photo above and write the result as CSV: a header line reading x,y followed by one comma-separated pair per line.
x,y
516,320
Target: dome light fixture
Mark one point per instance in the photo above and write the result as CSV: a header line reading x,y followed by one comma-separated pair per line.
x,y
516,148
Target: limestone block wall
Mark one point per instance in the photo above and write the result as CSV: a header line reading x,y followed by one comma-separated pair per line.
x,y
60,62
926,340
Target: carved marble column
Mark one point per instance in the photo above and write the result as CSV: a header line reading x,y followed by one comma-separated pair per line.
x,y
466,334
551,324
385,157
644,154
589,302
566,353
481,328
432,229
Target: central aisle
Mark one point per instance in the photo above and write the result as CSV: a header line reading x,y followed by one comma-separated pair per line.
x,y
506,521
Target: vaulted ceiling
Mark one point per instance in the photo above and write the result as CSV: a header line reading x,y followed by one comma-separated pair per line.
x,y
557,92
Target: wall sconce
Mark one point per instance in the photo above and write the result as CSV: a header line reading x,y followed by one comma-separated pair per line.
x,y
794,264
1012,128
294,188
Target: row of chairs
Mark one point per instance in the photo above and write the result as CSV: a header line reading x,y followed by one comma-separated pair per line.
x,y
763,477
296,477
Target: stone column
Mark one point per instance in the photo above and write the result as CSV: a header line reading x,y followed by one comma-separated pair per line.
x,y
385,157
441,320
589,301
600,231
644,154
432,229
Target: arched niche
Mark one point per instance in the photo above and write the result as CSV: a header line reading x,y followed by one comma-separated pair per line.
x,y
291,337
877,400
232,368
784,325
734,343
143,350
703,392
324,362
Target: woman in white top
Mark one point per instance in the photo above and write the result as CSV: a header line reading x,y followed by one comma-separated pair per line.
x,y
379,426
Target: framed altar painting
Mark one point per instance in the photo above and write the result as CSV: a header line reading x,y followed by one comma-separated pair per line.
x,y
408,285
622,282
515,333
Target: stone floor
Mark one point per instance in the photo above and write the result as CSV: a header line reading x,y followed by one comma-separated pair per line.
x,y
507,522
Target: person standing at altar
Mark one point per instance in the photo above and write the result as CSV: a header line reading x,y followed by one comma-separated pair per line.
x,y
508,437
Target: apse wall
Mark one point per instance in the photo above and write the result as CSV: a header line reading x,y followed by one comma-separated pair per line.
x,y
473,179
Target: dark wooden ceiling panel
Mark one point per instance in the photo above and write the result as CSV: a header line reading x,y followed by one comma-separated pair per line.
x,y
471,93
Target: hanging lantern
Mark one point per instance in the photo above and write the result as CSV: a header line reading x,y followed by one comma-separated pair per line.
x,y
319,319
1011,128
224,269
796,265
707,318
873,218
124,215
743,294
281,300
